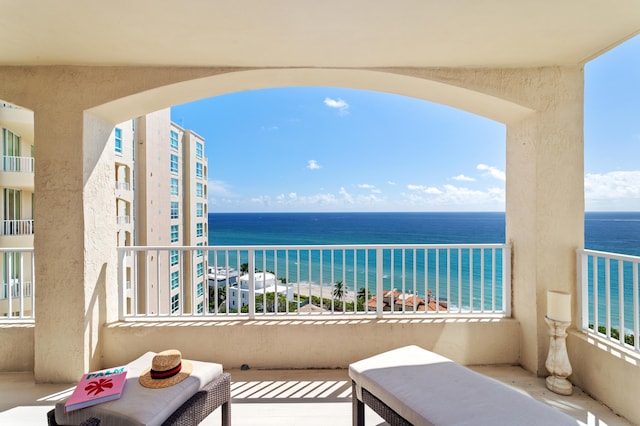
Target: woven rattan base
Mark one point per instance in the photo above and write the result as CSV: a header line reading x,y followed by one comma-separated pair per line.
x,y
214,394
382,409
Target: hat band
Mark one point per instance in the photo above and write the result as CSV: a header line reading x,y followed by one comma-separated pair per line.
x,y
165,374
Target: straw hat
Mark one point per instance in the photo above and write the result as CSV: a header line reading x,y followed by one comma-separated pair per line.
x,y
167,369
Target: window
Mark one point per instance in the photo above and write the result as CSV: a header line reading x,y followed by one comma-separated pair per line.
x,y
198,170
175,233
199,289
174,187
200,307
174,163
199,252
174,140
118,140
175,303
199,190
199,269
175,257
198,150
199,210
175,210
199,229
175,280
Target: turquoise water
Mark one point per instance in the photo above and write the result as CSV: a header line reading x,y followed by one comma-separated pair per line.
x,y
610,232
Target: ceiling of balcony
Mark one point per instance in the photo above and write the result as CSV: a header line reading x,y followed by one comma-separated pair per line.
x,y
313,33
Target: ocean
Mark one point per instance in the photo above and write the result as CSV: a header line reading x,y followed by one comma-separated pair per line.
x,y
616,232
604,231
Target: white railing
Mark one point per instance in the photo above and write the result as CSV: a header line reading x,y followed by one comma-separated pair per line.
x,y
608,291
375,280
123,220
17,164
123,186
17,301
16,227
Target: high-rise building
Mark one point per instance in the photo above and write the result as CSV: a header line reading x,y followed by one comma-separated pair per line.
x,y
161,190
16,215
160,184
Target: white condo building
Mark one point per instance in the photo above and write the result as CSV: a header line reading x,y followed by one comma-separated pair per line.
x,y
160,186
263,284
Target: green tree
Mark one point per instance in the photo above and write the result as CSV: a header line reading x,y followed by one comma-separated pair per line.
x,y
244,268
339,291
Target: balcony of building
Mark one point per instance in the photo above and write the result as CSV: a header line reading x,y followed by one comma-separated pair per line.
x,y
465,315
19,119
503,63
296,397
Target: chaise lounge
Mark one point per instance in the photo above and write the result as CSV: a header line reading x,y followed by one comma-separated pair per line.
x,y
186,403
413,386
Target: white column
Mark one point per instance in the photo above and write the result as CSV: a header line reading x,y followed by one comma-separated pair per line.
x,y
545,202
75,239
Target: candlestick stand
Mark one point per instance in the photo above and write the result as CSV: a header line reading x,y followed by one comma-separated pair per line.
x,y
558,360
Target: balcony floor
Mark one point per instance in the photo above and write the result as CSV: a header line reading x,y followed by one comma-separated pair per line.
x,y
293,397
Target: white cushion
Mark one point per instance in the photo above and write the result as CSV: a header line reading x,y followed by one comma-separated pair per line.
x,y
428,389
143,406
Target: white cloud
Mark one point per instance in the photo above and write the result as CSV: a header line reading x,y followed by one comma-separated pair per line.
x,y
391,182
451,197
218,188
339,104
463,178
269,128
366,186
345,195
623,186
424,189
492,171
313,165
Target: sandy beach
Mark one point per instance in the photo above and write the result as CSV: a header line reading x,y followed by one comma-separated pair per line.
x,y
325,292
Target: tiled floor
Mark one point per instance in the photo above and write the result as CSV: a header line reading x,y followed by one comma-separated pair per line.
x,y
293,397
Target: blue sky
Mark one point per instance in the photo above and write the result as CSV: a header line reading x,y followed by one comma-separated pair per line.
x,y
330,149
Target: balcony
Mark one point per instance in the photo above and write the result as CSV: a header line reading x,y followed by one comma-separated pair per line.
x,y
16,227
295,397
17,172
469,321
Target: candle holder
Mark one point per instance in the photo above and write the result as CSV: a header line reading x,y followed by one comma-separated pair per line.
x,y
558,360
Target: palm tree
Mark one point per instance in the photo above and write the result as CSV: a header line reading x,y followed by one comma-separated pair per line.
x,y
244,268
339,291
362,294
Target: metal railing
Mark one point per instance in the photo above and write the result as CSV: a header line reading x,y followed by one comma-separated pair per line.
x,y
123,220
608,296
123,186
453,279
16,227
17,301
18,164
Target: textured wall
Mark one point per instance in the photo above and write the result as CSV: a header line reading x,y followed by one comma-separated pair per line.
x,y
307,343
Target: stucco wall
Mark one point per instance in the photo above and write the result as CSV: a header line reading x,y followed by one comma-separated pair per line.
x,y
16,347
609,374
308,343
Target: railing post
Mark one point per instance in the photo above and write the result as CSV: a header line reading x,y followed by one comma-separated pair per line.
x,y
506,280
252,287
121,281
379,283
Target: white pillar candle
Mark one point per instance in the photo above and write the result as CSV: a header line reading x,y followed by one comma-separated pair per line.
x,y
559,306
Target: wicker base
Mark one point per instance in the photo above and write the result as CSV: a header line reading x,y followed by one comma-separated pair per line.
x,y
382,409
214,394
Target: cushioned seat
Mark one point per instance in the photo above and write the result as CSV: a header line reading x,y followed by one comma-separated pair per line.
x,y
143,406
424,388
